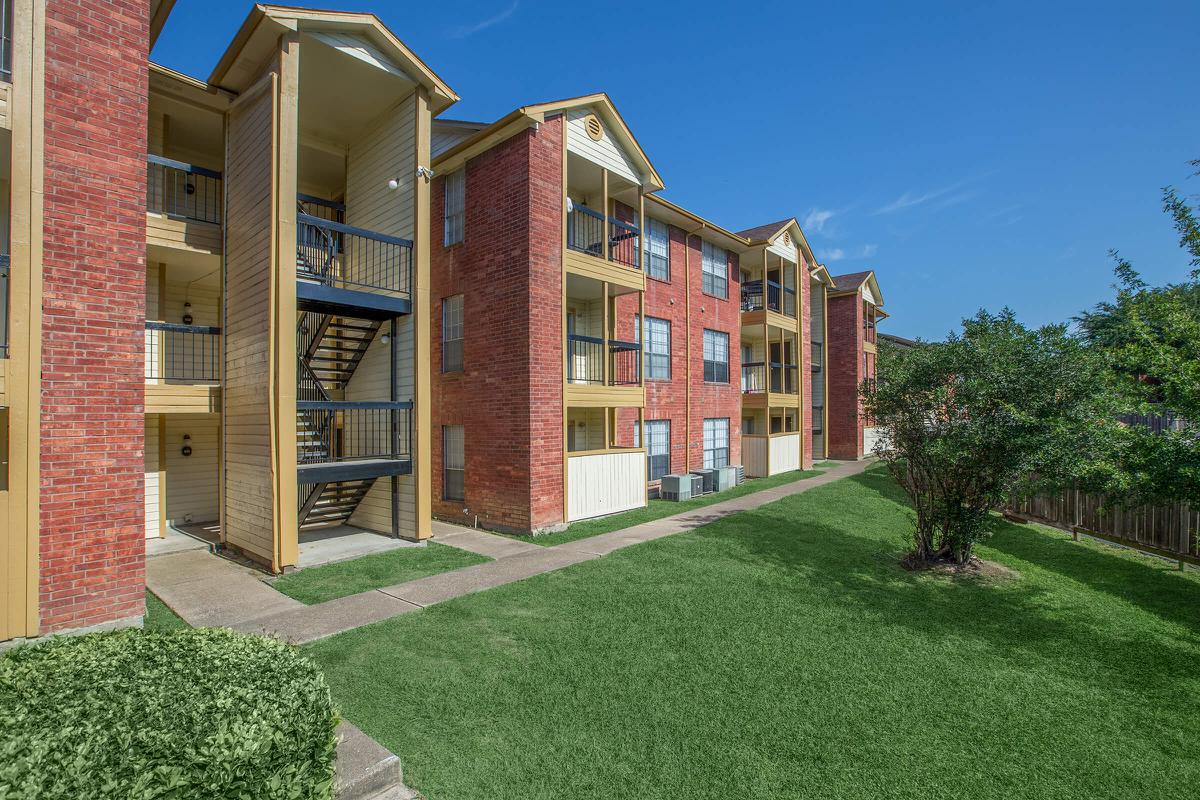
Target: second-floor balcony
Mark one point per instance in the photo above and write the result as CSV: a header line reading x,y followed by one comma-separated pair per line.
x,y
340,441
182,354
770,296
342,258
183,191
588,231
760,377
592,361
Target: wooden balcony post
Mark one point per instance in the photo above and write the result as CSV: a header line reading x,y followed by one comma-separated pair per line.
x,y
604,229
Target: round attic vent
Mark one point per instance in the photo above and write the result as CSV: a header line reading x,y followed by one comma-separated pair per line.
x,y
595,130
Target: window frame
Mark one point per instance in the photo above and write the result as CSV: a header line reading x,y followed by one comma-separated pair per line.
x,y
711,437
649,256
447,432
454,222
643,336
713,270
658,424
447,326
714,368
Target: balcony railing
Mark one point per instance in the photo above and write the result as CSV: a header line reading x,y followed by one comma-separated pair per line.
x,y
869,331
344,257
772,297
331,432
585,361
183,190
6,40
757,376
182,353
586,230
4,263
818,356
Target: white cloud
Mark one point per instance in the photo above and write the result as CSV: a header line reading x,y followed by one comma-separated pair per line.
x,y
815,220
841,254
471,30
832,254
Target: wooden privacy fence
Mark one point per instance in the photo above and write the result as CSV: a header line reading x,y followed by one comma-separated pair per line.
x,y
1172,531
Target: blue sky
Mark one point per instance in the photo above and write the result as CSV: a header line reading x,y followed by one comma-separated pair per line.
x,y
972,156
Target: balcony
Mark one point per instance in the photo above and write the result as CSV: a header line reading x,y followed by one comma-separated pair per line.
x,y
586,231
183,368
769,297
344,441
184,205
759,377
869,331
586,362
341,269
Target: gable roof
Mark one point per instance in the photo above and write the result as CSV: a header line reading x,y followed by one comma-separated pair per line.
x,y
764,233
526,116
854,281
259,34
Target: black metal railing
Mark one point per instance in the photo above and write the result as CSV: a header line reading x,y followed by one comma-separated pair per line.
x,y
328,210
784,378
353,431
587,228
4,264
6,40
869,330
345,257
183,190
754,377
183,353
818,356
757,296
585,361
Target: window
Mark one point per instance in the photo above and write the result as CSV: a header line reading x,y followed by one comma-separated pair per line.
x,y
453,462
656,348
452,334
716,357
455,207
716,443
658,447
658,250
714,267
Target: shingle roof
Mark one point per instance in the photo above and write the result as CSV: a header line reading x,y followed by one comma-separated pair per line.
x,y
763,231
844,283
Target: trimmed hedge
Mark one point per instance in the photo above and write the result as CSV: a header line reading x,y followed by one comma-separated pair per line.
x,y
135,715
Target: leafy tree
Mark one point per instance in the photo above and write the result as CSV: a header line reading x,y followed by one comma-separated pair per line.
x,y
1150,338
969,420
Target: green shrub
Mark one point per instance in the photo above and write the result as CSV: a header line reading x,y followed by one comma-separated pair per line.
x,y
134,715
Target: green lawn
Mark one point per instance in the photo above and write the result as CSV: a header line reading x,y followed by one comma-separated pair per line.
x,y
331,581
657,509
783,653
159,617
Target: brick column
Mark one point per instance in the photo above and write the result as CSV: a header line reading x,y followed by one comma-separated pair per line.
x,y
845,335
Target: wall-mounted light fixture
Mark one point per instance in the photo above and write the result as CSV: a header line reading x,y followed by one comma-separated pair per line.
x,y
187,314
187,447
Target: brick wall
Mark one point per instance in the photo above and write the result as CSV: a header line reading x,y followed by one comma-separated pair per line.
x,y
668,400
845,431
509,395
92,528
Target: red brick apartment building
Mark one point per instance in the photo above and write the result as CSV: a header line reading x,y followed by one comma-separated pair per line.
x,y
227,314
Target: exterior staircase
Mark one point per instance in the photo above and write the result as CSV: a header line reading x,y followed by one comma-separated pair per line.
x,y
330,349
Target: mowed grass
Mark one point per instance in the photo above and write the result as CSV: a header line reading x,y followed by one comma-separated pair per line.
x,y
657,509
159,617
331,581
782,653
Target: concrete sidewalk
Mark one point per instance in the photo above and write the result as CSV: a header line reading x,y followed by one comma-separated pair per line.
x,y
223,594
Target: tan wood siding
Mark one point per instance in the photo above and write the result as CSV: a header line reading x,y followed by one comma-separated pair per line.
x,y
248,520
606,152
605,483
192,480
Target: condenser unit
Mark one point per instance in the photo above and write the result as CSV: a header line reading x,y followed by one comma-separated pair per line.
x,y
709,476
741,473
726,478
675,487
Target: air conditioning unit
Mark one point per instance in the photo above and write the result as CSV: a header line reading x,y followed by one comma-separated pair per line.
x,y
697,484
709,476
726,478
741,474
676,487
